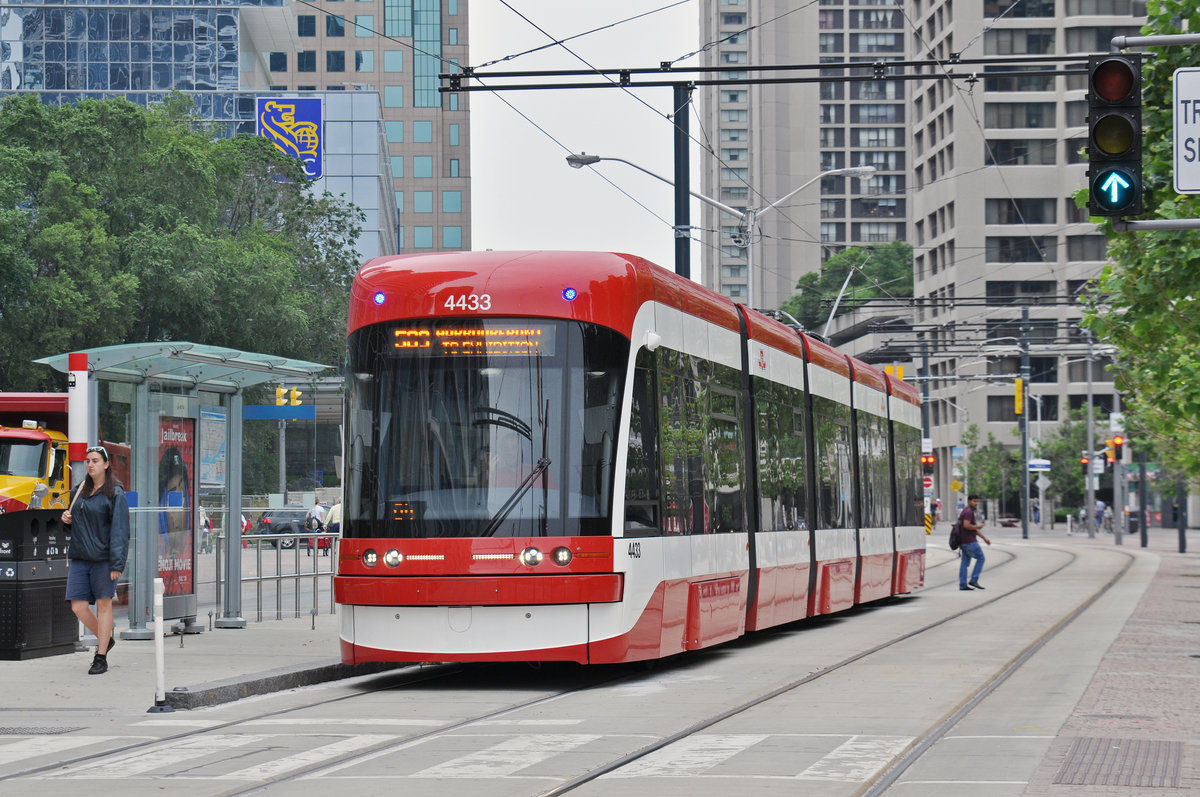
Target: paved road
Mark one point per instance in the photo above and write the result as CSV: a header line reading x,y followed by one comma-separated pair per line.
x,y
994,662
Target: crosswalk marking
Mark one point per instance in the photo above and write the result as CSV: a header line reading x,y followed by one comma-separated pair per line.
x,y
43,745
363,723
506,758
689,757
171,754
857,759
307,758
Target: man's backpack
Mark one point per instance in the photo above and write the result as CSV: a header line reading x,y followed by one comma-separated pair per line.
x,y
955,535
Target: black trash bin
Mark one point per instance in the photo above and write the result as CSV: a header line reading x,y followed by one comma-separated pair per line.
x,y
35,617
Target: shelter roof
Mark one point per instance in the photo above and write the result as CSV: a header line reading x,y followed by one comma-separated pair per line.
x,y
193,365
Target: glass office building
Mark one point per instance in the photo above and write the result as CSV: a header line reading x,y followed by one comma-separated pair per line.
x,y
225,54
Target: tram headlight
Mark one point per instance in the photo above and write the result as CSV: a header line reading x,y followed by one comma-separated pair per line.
x,y
561,556
370,557
531,557
393,558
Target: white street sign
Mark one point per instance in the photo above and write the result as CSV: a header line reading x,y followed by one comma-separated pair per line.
x,y
1186,105
1039,464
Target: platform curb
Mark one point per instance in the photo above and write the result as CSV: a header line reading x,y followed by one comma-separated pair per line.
x,y
226,691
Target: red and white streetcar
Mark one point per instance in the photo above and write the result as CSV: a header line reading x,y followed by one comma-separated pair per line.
x,y
580,456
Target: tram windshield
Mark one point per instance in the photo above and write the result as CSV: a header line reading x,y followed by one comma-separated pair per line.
x,y
473,428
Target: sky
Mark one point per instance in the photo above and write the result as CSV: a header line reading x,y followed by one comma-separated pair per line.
x,y
525,196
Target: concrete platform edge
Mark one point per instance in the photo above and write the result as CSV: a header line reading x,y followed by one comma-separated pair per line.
x,y
226,691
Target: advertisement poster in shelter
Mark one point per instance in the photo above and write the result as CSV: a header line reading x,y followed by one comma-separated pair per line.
x,y
176,467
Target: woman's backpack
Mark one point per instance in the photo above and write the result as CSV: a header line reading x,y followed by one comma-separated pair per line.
x,y
955,535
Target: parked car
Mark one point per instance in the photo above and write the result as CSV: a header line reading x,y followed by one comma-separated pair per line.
x,y
285,520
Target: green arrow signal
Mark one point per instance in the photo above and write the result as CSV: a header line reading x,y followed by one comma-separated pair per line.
x,y
1114,185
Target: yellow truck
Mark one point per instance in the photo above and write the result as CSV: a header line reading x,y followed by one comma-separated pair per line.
x,y
34,469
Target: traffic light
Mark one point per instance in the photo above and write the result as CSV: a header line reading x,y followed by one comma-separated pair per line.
x,y
927,463
1118,442
1018,396
280,396
1114,134
294,396
1084,461
1111,454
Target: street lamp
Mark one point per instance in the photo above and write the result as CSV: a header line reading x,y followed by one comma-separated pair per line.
x,y
584,159
751,216
748,218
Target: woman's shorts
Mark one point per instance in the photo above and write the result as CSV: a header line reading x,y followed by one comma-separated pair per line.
x,y
87,581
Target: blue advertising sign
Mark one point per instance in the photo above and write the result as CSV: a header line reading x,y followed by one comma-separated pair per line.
x,y
295,126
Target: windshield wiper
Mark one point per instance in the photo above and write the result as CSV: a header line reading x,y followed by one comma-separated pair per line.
x,y
513,499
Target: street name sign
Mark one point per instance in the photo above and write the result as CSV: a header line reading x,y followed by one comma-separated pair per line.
x,y
1186,105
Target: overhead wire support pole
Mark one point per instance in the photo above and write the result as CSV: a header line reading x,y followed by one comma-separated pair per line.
x,y
1091,445
682,93
1025,374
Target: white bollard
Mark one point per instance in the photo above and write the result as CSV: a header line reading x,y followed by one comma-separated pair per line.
x,y
160,678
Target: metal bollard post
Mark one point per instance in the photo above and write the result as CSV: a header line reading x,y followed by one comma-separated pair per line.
x,y
160,681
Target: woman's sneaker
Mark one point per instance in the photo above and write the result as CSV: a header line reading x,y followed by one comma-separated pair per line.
x,y
99,665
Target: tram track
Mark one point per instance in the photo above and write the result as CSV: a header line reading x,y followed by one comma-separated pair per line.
x,y
415,677
696,728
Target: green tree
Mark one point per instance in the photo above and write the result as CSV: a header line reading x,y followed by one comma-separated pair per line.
x,y
1063,448
881,272
1146,303
993,471
122,224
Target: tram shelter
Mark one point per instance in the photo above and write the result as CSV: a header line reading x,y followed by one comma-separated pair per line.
x,y
170,415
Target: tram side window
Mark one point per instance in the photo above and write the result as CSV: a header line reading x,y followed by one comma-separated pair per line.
x,y
835,479
874,477
642,477
679,440
782,469
911,498
725,454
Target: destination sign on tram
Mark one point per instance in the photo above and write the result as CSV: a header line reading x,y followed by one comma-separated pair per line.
x,y
504,339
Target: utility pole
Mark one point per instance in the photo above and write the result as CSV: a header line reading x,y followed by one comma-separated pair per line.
x,y
1143,520
1024,419
683,221
283,459
1118,498
1181,513
1090,521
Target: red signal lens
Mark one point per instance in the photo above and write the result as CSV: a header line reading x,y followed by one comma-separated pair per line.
x,y
1113,80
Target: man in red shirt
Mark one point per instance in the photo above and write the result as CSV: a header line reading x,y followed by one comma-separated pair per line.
x,y
969,545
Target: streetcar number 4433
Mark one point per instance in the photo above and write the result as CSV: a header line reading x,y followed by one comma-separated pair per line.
x,y
469,301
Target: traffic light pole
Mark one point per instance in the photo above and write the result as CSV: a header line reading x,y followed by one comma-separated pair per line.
x,y
1121,225
1121,42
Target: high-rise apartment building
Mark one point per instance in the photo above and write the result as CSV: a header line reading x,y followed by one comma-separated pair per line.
x,y
400,154
996,164
767,140
396,48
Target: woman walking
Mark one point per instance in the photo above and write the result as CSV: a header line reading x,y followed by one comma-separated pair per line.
x,y
99,520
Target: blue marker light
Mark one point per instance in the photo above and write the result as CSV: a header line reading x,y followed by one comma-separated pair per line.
x,y
569,294
379,297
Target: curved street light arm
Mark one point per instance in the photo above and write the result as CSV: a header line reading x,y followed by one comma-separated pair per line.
x,y
583,159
